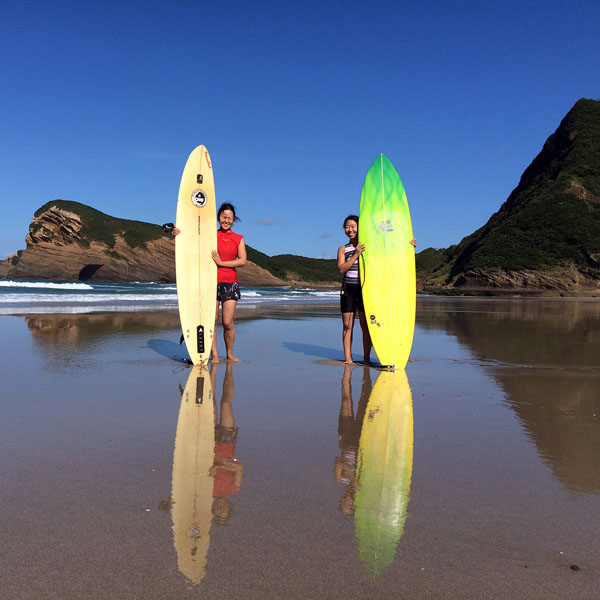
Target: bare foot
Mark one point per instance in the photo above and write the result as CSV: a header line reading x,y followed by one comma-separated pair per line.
x,y
215,358
348,362
232,358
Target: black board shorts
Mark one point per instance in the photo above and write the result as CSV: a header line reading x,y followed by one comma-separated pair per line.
x,y
228,291
351,298
226,435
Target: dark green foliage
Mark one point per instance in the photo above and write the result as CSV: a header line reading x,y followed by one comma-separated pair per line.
x,y
433,264
113,254
551,219
15,259
100,227
307,269
429,259
259,258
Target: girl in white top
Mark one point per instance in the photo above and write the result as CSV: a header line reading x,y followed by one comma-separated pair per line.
x,y
351,294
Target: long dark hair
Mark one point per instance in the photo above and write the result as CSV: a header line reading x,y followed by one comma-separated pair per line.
x,y
350,218
227,206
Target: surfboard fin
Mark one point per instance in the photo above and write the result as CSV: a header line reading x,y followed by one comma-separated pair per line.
x,y
181,339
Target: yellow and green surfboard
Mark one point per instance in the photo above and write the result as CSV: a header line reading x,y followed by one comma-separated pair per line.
x,y
387,268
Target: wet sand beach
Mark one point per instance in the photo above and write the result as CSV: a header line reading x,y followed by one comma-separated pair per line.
x,y
128,474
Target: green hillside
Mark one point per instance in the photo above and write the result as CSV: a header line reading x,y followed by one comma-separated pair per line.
x,y
290,266
550,220
100,227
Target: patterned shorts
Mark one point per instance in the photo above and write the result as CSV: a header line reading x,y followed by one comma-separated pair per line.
x,y
228,291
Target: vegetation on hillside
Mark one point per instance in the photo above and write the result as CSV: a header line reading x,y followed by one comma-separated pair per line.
x,y
100,227
551,219
290,266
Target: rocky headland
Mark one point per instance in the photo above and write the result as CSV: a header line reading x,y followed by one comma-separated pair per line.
x,y
74,242
545,239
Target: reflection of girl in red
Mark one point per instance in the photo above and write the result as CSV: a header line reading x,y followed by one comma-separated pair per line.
x,y
227,469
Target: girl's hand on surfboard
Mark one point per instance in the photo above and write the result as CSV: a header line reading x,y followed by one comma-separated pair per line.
x,y
216,258
413,242
360,248
176,231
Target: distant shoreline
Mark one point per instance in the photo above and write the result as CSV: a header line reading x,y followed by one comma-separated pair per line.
x,y
510,292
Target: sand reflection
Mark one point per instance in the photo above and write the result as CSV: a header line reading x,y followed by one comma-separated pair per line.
x,y
376,463
547,360
205,470
74,329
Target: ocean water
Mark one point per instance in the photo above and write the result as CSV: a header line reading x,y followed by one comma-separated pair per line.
x,y
38,297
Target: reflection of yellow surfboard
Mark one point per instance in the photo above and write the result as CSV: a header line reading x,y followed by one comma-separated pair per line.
x,y
384,470
192,487
195,269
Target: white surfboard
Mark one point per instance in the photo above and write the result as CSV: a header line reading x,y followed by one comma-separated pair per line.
x,y
195,269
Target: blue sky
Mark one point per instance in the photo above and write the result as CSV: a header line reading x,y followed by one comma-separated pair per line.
x,y
102,102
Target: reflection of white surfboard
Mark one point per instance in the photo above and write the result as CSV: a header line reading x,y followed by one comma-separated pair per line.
x,y
192,486
384,470
195,269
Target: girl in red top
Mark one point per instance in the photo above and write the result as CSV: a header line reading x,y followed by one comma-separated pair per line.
x,y
230,253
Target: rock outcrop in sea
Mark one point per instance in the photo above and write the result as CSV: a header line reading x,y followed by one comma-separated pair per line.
x,y
73,242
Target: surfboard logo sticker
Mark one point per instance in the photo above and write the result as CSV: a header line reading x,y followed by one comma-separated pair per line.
x,y
385,226
199,198
207,160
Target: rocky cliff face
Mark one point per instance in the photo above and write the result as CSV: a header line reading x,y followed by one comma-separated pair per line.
x,y
568,280
546,235
58,249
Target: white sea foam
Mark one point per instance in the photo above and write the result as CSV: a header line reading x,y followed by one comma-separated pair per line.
x,y
51,285
22,297
325,294
86,298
